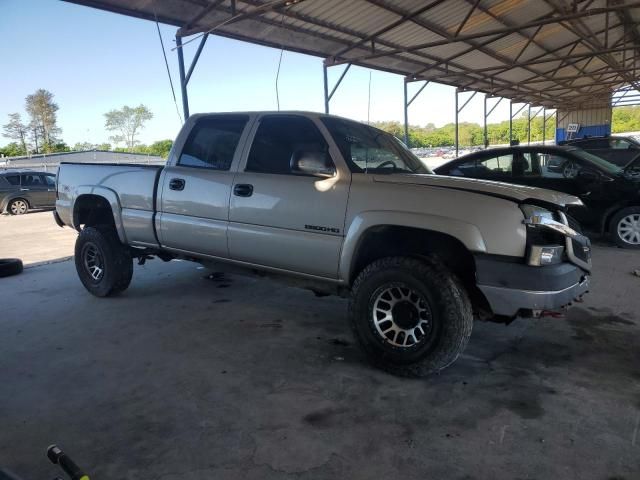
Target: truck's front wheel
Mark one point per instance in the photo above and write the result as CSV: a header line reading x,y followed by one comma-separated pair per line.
x,y
411,316
104,265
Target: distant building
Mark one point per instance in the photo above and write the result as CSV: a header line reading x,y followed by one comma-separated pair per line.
x,y
50,161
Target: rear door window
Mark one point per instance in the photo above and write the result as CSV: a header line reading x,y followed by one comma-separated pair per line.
x,y
213,142
13,179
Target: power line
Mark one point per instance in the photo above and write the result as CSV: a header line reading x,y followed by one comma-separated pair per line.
x,y
166,62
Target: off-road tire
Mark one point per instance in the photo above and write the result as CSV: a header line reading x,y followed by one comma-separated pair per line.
x,y
13,211
116,259
447,299
10,266
613,227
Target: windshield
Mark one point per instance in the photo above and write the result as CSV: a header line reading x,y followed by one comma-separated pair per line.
x,y
600,162
369,150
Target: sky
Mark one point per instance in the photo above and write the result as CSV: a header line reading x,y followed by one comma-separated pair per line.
x,y
95,61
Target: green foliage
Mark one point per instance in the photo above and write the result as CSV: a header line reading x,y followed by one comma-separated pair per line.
x,y
127,122
60,147
13,149
43,126
625,119
470,134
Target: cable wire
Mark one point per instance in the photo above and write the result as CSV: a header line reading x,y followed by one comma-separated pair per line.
x,y
166,63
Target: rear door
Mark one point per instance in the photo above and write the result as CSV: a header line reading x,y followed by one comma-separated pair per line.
x,y
194,193
34,188
279,217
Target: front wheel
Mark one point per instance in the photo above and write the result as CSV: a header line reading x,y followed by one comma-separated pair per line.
x,y
412,317
104,265
625,228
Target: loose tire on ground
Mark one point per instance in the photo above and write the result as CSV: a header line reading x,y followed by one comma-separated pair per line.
x,y
104,265
442,310
624,228
10,266
18,206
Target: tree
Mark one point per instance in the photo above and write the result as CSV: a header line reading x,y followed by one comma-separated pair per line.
x,y
11,150
43,112
128,121
16,130
160,148
83,146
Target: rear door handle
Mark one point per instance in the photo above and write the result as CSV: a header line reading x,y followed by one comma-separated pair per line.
x,y
243,190
176,184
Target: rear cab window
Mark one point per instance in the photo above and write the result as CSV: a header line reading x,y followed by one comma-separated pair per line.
x,y
213,142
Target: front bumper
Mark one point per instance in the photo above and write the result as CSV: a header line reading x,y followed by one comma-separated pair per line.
x,y
511,287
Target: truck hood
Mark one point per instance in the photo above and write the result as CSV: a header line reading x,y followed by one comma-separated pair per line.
x,y
509,191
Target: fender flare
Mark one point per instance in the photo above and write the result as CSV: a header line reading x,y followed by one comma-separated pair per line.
x,y
468,234
112,199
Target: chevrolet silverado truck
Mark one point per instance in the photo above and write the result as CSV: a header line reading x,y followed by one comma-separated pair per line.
x,y
337,207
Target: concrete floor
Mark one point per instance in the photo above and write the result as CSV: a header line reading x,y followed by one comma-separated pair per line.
x,y
188,377
35,238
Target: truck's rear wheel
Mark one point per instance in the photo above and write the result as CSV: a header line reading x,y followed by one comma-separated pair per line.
x,y
412,317
104,265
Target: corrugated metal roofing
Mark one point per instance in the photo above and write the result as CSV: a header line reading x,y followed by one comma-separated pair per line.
x,y
557,53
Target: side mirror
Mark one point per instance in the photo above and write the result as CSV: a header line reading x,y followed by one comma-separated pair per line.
x,y
589,175
313,163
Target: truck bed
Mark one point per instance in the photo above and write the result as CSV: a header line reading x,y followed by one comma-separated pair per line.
x,y
130,188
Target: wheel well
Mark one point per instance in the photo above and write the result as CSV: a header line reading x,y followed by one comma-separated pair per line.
x,y
91,210
390,241
19,198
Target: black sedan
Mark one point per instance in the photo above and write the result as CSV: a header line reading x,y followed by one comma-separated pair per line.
x,y
610,193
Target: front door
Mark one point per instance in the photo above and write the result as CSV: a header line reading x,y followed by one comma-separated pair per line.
x,y
194,205
280,217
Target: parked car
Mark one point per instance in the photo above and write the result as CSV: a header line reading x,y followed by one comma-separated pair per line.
x,y
342,208
617,150
610,193
21,191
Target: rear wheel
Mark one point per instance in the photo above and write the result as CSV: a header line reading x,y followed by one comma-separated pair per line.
x,y
104,265
18,206
412,317
625,228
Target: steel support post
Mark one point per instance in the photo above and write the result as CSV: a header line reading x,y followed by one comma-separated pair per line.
x,y
407,103
406,116
544,125
510,121
484,129
529,125
327,95
183,83
326,88
457,112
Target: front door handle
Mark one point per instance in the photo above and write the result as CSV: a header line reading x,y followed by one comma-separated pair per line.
x,y
176,184
243,190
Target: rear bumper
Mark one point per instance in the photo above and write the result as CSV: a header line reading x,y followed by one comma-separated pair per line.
x,y
512,287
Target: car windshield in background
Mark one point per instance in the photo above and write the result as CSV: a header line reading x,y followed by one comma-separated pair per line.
x,y
600,162
369,150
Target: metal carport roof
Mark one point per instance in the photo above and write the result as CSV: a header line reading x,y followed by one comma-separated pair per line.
x,y
554,53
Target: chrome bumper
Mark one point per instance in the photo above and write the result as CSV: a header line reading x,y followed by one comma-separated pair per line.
x,y
509,301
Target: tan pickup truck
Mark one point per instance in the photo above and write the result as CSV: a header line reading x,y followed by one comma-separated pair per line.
x,y
341,208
